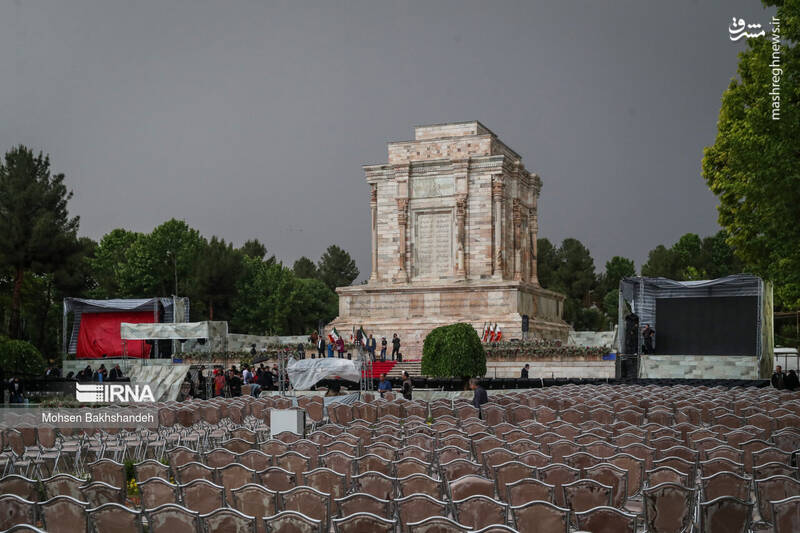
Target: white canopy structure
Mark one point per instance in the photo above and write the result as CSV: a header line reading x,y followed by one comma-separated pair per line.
x,y
178,330
305,373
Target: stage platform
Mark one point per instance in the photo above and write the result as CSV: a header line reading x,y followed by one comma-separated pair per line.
x,y
698,366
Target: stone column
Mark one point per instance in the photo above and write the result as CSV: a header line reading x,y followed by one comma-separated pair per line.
x,y
517,217
497,226
402,228
461,216
373,207
525,245
533,227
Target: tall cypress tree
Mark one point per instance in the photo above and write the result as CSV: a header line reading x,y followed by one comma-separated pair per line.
x,y
37,231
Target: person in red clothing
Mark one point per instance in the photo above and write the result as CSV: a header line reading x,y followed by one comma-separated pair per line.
x,y
219,383
340,347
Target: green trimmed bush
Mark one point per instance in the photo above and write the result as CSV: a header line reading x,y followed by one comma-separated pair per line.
x,y
20,357
453,351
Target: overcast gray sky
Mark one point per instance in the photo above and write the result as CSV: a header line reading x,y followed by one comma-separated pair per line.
x,y
252,119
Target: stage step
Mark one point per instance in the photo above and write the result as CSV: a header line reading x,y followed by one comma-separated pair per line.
x,y
413,367
382,367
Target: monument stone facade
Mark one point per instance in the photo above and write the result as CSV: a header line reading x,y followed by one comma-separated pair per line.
x,y
454,227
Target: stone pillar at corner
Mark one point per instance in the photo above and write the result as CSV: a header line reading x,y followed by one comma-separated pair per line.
x,y
454,227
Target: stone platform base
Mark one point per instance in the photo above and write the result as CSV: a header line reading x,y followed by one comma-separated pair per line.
x,y
552,369
698,367
414,309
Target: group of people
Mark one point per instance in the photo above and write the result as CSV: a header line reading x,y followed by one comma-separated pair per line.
x,y
785,380
479,397
229,382
370,345
407,389
101,374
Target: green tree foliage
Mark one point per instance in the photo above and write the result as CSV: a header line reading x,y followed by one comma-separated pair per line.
x,y
20,357
662,262
109,263
314,302
336,268
611,305
754,165
272,300
36,232
616,269
569,269
576,271
693,258
453,351
263,294
170,251
305,268
255,249
547,263
214,279
253,291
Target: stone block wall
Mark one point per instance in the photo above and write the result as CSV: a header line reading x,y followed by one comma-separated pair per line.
x,y
698,367
552,369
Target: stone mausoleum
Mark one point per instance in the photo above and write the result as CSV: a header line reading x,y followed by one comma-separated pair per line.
x,y
454,227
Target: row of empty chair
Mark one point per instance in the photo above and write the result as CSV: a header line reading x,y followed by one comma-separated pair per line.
x,y
578,456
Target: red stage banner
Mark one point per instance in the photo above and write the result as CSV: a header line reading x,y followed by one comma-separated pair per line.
x,y
99,334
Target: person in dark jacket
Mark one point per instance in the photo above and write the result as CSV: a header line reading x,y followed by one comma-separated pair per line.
x,y
480,396
201,382
115,374
321,346
778,378
408,388
524,373
383,348
265,379
16,391
790,381
234,383
372,344
395,347
647,334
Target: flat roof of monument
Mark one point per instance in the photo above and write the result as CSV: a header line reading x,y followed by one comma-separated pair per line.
x,y
450,129
478,122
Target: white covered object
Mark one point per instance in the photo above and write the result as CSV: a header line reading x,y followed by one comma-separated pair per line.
x,y
305,373
293,420
179,330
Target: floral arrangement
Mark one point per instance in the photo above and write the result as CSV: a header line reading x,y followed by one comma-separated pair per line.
x,y
542,349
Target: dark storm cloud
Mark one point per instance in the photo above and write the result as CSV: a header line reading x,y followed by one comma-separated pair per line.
x,y
252,119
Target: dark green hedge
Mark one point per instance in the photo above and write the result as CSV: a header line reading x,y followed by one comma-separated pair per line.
x,y
20,357
453,351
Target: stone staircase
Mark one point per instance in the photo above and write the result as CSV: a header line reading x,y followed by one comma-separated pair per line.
x,y
379,368
413,367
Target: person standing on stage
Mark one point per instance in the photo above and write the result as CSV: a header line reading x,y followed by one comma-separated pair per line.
x,y
395,347
340,347
321,346
371,345
647,334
